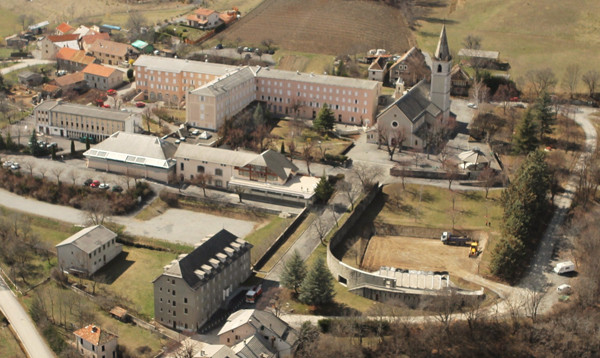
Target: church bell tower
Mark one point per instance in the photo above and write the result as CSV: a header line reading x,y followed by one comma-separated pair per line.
x,y
441,65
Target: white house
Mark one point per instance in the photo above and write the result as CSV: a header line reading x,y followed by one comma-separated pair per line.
x,y
94,342
88,250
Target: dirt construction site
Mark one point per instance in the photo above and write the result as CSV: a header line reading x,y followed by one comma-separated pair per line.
x,y
419,254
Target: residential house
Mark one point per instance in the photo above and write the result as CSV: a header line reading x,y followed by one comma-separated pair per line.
x,y
193,287
92,36
94,342
50,45
204,18
88,250
255,347
410,67
72,60
30,79
64,29
111,52
134,155
75,120
82,31
480,58
102,77
378,69
425,108
71,82
228,17
461,81
276,336
266,176
49,91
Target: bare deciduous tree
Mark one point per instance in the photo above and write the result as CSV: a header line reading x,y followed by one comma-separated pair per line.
x,y
96,210
591,79
349,190
540,81
366,174
531,304
321,228
29,165
392,137
307,154
202,180
488,178
571,78
57,172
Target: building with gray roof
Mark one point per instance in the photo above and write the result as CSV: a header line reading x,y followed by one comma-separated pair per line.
x,y
134,155
88,250
75,121
194,286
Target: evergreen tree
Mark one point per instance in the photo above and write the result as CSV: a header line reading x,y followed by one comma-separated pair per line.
x,y
325,119
87,143
544,114
317,287
72,147
324,190
293,273
53,151
10,144
259,116
34,147
130,75
525,139
507,258
2,144
282,150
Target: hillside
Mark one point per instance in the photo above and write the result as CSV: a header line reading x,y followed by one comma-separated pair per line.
x,y
528,34
329,27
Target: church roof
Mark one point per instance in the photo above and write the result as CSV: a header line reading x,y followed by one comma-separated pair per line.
x,y
415,103
442,52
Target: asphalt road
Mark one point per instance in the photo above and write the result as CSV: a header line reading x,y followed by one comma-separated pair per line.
x,y
34,344
25,63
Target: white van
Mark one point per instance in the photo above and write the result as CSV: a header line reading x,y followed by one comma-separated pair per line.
x,y
564,267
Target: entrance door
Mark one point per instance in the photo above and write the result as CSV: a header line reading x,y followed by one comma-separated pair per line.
x,y
174,325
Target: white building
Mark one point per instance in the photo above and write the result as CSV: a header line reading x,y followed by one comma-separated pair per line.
x,y
88,250
94,342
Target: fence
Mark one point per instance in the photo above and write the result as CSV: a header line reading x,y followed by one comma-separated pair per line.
x,y
11,281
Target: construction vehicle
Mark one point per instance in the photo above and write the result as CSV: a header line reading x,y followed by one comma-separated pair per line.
x,y
474,251
459,240
253,294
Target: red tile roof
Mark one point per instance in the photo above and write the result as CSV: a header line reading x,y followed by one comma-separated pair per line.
x,y
65,28
93,36
79,56
98,70
94,334
63,38
202,11
227,18
110,47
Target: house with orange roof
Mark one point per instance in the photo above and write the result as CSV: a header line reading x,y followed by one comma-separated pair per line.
x,y
64,29
72,60
228,17
50,45
102,77
204,19
92,36
94,342
111,52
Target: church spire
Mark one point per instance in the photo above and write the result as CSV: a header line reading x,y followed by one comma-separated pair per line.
x,y
442,53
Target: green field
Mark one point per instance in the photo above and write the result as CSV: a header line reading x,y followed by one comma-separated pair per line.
x,y
528,34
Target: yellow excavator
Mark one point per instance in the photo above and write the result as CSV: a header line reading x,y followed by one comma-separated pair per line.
x,y
474,249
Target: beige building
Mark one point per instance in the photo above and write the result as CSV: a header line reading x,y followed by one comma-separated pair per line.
x,y
193,287
204,19
411,68
379,68
111,52
94,342
134,155
276,336
50,45
210,105
87,251
169,79
102,77
269,175
75,120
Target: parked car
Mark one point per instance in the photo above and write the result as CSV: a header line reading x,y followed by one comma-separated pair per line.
x,y
111,92
104,186
472,105
88,182
95,184
564,267
219,47
564,289
117,189
140,104
106,106
15,166
7,164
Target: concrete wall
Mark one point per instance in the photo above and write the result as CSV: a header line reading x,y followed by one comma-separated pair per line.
x,y
133,170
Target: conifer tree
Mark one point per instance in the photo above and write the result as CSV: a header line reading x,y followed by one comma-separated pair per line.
x,y
525,139
325,119
294,272
317,287
324,190
544,115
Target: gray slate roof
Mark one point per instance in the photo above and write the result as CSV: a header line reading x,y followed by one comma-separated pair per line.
x,y
415,103
443,50
89,239
254,346
82,110
214,155
165,64
269,73
276,162
201,255
226,82
468,52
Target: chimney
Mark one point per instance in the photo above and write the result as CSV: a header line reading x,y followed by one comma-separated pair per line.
x,y
94,329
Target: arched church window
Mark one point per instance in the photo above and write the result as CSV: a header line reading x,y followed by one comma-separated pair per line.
x,y
439,68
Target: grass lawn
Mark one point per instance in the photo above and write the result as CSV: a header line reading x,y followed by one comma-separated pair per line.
x,y
130,276
302,61
321,144
429,206
12,76
186,31
9,346
529,35
156,208
264,237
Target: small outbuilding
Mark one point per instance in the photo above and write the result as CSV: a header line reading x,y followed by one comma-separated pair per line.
x,y
30,79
